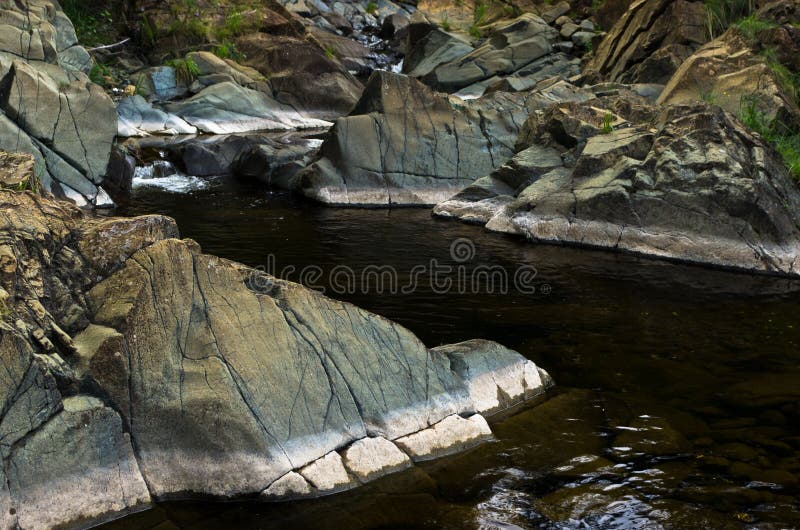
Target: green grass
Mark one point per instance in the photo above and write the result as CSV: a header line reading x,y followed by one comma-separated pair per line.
x,y
228,50
93,26
607,128
479,12
101,75
750,27
445,24
722,14
186,70
372,8
330,53
475,32
785,140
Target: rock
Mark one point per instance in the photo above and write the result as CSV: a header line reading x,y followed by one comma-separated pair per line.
x,y
161,83
705,191
136,117
404,144
450,435
370,458
209,66
290,486
275,164
562,20
568,29
554,12
120,171
67,126
588,25
227,108
16,170
170,344
727,72
354,56
582,39
647,27
87,451
328,475
510,47
429,47
301,75
496,377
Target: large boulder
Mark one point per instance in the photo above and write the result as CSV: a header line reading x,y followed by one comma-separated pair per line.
x,y
691,184
301,74
404,144
48,106
650,41
136,368
227,108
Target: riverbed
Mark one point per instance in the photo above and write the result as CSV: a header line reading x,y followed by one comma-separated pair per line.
x,y
676,403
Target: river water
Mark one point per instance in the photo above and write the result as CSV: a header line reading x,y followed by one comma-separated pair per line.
x,y
677,387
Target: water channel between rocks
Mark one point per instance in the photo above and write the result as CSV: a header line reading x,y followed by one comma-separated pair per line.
x,y
677,401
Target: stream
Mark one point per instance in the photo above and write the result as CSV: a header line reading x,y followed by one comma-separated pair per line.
x,y
676,403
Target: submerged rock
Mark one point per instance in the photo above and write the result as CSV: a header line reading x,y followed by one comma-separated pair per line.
x,y
138,368
694,186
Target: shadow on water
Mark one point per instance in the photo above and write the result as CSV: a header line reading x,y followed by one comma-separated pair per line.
x,y
677,403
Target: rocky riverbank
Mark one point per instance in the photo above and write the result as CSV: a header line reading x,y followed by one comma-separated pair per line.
x,y
147,370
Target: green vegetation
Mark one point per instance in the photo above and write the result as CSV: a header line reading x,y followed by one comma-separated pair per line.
x,y
186,70
479,12
475,32
721,14
750,27
607,127
445,24
228,50
232,27
511,11
330,53
93,26
102,75
781,137
372,8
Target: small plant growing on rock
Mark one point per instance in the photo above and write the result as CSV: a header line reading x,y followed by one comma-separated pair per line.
x,y
445,24
751,26
721,14
777,134
475,32
607,128
372,8
186,70
330,53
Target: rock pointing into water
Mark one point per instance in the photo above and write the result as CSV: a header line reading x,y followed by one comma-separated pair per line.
x,y
686,182
137,368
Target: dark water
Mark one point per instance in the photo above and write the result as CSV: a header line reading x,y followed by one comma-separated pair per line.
x,y
677,402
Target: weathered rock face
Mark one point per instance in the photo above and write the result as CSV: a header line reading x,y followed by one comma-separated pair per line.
x,y
49,107
692,185
729,73
650,41
510,47
301,75
137,368
404,144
